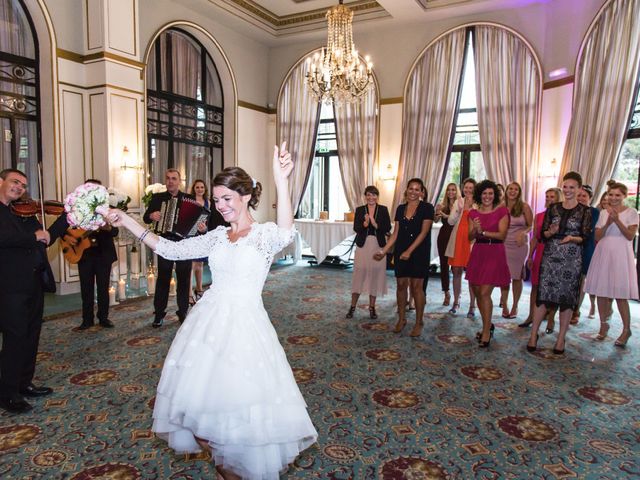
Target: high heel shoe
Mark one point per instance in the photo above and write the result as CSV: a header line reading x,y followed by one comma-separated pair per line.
x,y
557,351
534,347
622,340
447,299
491,330
549,329
198,294
481,343
400,325
525,324
471,313
372,313
604,331
350,312
417,330
453,310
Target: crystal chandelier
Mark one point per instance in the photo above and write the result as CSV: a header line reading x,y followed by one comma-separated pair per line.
x,y
336,74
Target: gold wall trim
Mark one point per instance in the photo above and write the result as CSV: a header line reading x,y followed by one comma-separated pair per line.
x,y
76,57
257,108
104,85
559,82
391,101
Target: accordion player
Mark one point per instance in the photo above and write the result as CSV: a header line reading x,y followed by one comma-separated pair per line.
x,y
180,216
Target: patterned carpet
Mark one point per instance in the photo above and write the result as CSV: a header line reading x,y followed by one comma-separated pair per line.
x,y
386,406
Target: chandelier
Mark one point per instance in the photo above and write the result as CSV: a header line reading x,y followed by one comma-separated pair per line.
x,y
336,74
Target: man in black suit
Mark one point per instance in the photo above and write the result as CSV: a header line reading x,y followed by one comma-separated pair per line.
x,y
95,268
25,274
165,267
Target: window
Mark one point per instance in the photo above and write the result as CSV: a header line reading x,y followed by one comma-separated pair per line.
x,y
184,111
19,98
628,167
465,157
325,191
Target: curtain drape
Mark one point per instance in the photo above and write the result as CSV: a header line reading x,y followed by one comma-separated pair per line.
x,y
357,132
604,89
429,111
296,124
509,98
15,34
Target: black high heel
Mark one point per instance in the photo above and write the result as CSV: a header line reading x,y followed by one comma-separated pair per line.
x,y
525,324
372,313
479,335
350,312
533,348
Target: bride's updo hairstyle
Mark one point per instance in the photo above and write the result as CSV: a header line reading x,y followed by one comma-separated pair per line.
x,y
236,179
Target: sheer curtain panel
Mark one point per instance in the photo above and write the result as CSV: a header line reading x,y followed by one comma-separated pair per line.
x,y
509,96
357,132
296,124
429,111
603,95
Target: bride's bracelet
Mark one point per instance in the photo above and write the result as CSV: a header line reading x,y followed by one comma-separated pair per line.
x,y
143,235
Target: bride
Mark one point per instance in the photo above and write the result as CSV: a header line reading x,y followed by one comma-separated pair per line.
x,y
226,385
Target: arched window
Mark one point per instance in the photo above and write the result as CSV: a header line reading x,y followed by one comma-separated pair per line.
x,y
628,166
184,110
19,97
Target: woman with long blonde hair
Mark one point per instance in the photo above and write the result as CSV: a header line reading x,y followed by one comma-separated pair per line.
x,y
443,210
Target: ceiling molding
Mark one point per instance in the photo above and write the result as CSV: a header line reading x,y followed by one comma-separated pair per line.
x,y
298,22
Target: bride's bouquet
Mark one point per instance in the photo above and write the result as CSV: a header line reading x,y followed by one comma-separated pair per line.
x,y
87,206
150,190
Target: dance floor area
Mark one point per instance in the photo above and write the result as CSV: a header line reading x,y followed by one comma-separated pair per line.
x,y
386,406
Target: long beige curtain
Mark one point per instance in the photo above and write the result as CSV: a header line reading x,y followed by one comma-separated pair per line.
x,y
509,99
357,132
296,124
429,111
603,96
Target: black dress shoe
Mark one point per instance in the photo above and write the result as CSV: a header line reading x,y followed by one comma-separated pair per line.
x,y
85,325
15,405
106,323
32,391
157,322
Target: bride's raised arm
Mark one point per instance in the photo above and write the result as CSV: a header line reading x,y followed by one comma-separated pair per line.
x,y
118,218
282,168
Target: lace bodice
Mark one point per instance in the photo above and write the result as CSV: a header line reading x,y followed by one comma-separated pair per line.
x,y
238,267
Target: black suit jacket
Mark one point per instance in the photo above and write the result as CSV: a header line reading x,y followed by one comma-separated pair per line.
x,y
382,219
156,204
103,246
23,260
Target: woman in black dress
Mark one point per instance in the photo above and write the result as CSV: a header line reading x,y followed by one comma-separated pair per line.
x,y
565,227
412,239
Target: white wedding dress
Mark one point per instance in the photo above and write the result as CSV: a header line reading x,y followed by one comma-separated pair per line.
x,y
226,377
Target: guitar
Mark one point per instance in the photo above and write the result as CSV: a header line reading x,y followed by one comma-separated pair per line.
x,y
74,242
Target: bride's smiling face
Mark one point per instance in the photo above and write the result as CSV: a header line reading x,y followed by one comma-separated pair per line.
x,y
231,205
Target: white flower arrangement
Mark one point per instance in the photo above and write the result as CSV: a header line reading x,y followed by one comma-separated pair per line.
x,y
117,199
150,190
87,206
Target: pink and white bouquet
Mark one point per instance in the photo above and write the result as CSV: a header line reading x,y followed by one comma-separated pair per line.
x,y
87,206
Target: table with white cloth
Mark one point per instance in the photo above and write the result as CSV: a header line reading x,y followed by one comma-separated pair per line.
x,y
323,235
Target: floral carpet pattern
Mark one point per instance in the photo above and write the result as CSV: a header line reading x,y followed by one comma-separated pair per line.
x,y
386,406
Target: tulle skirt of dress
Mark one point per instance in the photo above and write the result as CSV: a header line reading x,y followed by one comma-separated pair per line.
x,y
226,379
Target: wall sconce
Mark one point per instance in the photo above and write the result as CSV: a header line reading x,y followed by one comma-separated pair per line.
x,y
388,174
550,170
127,163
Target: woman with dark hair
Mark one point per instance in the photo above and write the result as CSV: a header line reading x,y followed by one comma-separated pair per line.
x,y
585,194
412,239
201,194
443,210
487,267
612,273
226,386
372,224
516,245
564,229
459,246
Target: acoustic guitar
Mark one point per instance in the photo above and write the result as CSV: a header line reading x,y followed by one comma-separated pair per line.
x,y
74,242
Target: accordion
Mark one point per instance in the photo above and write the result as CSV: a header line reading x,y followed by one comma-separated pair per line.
x,y
179,217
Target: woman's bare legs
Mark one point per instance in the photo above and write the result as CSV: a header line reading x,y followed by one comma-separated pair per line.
x,y
401,300
565,318
604,310
419,298
625,314
457,287
516,286
504,299
539,312
198,268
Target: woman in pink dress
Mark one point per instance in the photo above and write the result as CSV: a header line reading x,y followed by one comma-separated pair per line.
x,y
612,272
487,267
516,245
552,195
